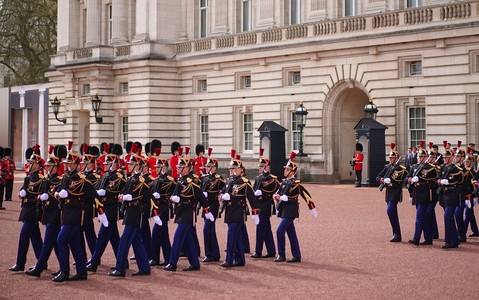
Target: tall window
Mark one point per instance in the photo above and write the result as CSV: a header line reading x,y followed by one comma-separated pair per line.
x,y
247,132
204,131
295,10
295,132
124,131
417,125
203,18
413,3
110,22
246,9
349,8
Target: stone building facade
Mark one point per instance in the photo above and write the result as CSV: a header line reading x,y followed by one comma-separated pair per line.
x,y
212,71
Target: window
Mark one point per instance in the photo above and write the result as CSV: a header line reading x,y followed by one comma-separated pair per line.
x,y
204,131
295,132
123,87
413,3
415,68
243,81
124,131
201,86
417,125
295,78
349,8
203,18
110,22
247,132
246,10
295,9
291,76
86,89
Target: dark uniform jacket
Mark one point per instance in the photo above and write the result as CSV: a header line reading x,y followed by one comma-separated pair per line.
x,y
213,184
51,210
423,191
33,185
140,193
240,191
113,183
80,190
146,207
396,173
451,193
467,186
292,188
268,184
163,185
89,203
190,195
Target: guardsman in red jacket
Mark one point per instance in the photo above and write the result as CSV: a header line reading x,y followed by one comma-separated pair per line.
x,y
200,160
9,167
358,164
176,151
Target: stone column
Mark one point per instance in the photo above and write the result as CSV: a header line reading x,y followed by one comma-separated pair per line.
x,y
93,25
142,21
119,26
41,120
68,37
25,134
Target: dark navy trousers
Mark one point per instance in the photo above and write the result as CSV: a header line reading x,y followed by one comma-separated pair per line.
x,y
451,236
212,248
235,244
264,235
392,211
131,237
29,232
184,239
49,243
105,235
160,239
69,238
286,226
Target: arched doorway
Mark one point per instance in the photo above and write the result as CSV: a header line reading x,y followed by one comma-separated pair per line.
x,y
343,109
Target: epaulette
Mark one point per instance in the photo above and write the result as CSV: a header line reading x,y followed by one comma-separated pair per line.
x,y
245,180
82,176
297,181
40,175
141,179
217,176
120,175
189,180
170,178
151,177
273,176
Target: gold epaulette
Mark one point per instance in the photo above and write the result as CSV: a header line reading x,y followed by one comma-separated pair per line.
x,y
245,180
170,178
273,176
189,180
120,176
141,179
82,176
40,175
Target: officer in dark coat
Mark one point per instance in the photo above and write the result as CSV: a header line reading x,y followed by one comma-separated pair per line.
x,y
146,207
287,197
51,211
234,197
449,182
186,196
211,185
161,190
73,191
392,177
30,213
133,196
109,187
265,185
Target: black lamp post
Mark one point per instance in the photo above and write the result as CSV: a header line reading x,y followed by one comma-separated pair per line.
x,y
95,104
56,108
370,110
302,113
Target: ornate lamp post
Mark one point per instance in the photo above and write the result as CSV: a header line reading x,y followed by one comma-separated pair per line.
x,y
56,108
95,104
302,114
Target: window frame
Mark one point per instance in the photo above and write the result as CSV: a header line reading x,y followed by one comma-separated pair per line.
x,y
420,131
353,11
294,12
295,131
411,65
247,133
204,130
124,130
203,19
110,21
413,3
86,89
246,16
121,88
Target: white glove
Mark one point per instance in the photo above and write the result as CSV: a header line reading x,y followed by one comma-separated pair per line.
x,y
444,182
157,221
255,219
22,193
226,197
313,212
101,192
474,201
127,197
468,203
206,194
258,193
410,200
156,195
387,180
103,219
210,216
44,196
415,179
63,194
283,198
175,199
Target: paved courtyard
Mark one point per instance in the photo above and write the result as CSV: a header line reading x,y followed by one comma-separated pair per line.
x,y
346,254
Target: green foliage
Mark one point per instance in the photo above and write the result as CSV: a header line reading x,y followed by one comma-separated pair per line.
x,y
28,33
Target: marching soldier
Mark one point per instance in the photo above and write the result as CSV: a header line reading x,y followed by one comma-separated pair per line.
x,y
459,212
30,213
161,190
186,196
109,187
211,185
237,191
287,197
146,206
468,188
2,179
133,196
175,156
200,160
73,192
265,186
9,173
392,177
449,182
51,210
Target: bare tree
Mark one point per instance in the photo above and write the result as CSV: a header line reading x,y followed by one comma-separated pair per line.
x,y
28,32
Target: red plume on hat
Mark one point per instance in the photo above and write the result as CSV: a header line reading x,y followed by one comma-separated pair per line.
x,y
50,149
36,149
444,144
238,157
133,148
106,148
261,151
138,151
157,151
209,151
180,151
85,148
430,145
292,155
233,153
187,150
393,145
459,143
70,145
421,144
